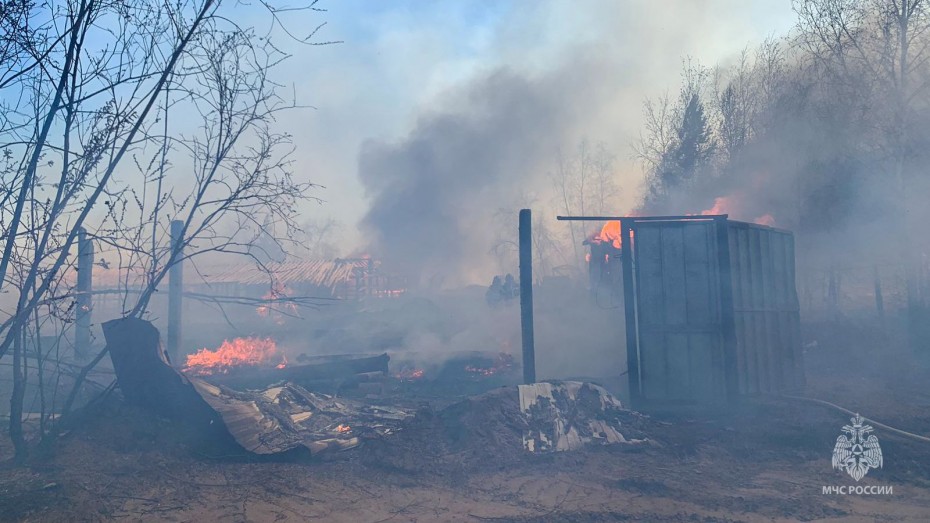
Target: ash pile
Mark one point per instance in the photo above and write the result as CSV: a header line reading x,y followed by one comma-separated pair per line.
x,y
504,427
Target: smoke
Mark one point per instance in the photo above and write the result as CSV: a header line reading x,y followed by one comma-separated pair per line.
x,y
470,118
434,193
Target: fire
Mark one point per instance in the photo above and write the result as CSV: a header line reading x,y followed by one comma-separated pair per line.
x,y
409,374
610,233
277,292
726,205
502,363
721,205
240,352
342,429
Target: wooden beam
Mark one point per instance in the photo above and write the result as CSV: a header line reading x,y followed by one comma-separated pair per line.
x,y
526,296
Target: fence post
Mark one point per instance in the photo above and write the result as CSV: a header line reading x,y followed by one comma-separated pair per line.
x,y
833,293
526,296
879,299
175,288
85,267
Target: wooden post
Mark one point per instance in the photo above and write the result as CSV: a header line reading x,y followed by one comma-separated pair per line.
x,y
833,293
85,265
175,288
526,296
879,299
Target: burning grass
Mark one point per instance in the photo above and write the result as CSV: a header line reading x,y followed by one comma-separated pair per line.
x,y
503,364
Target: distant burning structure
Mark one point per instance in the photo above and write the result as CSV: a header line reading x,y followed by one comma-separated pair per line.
x,y
342,278
604,266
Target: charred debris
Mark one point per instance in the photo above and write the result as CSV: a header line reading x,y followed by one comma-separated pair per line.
x,y
709,305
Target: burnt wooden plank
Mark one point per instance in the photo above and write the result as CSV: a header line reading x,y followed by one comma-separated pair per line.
x,y
335,368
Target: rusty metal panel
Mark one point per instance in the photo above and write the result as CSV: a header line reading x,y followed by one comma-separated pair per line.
x,y
680,353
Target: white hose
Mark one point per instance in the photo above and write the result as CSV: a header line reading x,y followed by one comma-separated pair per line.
x,y
900,432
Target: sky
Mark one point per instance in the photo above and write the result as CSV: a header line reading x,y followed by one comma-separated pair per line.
x,y
402,60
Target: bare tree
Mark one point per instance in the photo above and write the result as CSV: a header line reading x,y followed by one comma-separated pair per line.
x,y
94,85
549,250
660,118
321,238
679,143
92,77
734,105
877,52
585,183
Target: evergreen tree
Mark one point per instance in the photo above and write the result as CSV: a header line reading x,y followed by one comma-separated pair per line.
x,y
692,148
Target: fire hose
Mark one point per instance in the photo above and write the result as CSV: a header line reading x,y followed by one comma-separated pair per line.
x,y
900,432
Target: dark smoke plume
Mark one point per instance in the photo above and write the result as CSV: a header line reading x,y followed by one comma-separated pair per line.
x,y
434,193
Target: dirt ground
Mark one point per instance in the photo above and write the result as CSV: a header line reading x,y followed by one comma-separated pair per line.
x,y
765,459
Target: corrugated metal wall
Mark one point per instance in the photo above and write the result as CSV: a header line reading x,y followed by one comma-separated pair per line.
x,y
765,308
677,290
716,310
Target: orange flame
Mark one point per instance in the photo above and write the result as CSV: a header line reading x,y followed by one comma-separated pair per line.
x,y
277,292
721,205
610,233
503,362
239,352
726,205
409,374
343,428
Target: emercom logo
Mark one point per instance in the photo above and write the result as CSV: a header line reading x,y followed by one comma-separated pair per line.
x,y
856,451
876,490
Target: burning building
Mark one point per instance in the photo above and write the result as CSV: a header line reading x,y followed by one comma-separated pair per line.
x,y
342,278
604,265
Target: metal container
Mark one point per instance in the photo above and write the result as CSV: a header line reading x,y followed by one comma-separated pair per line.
x,y
711,309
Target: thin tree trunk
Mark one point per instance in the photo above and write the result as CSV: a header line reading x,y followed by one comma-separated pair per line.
x,y
18,320
40,143
16,398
